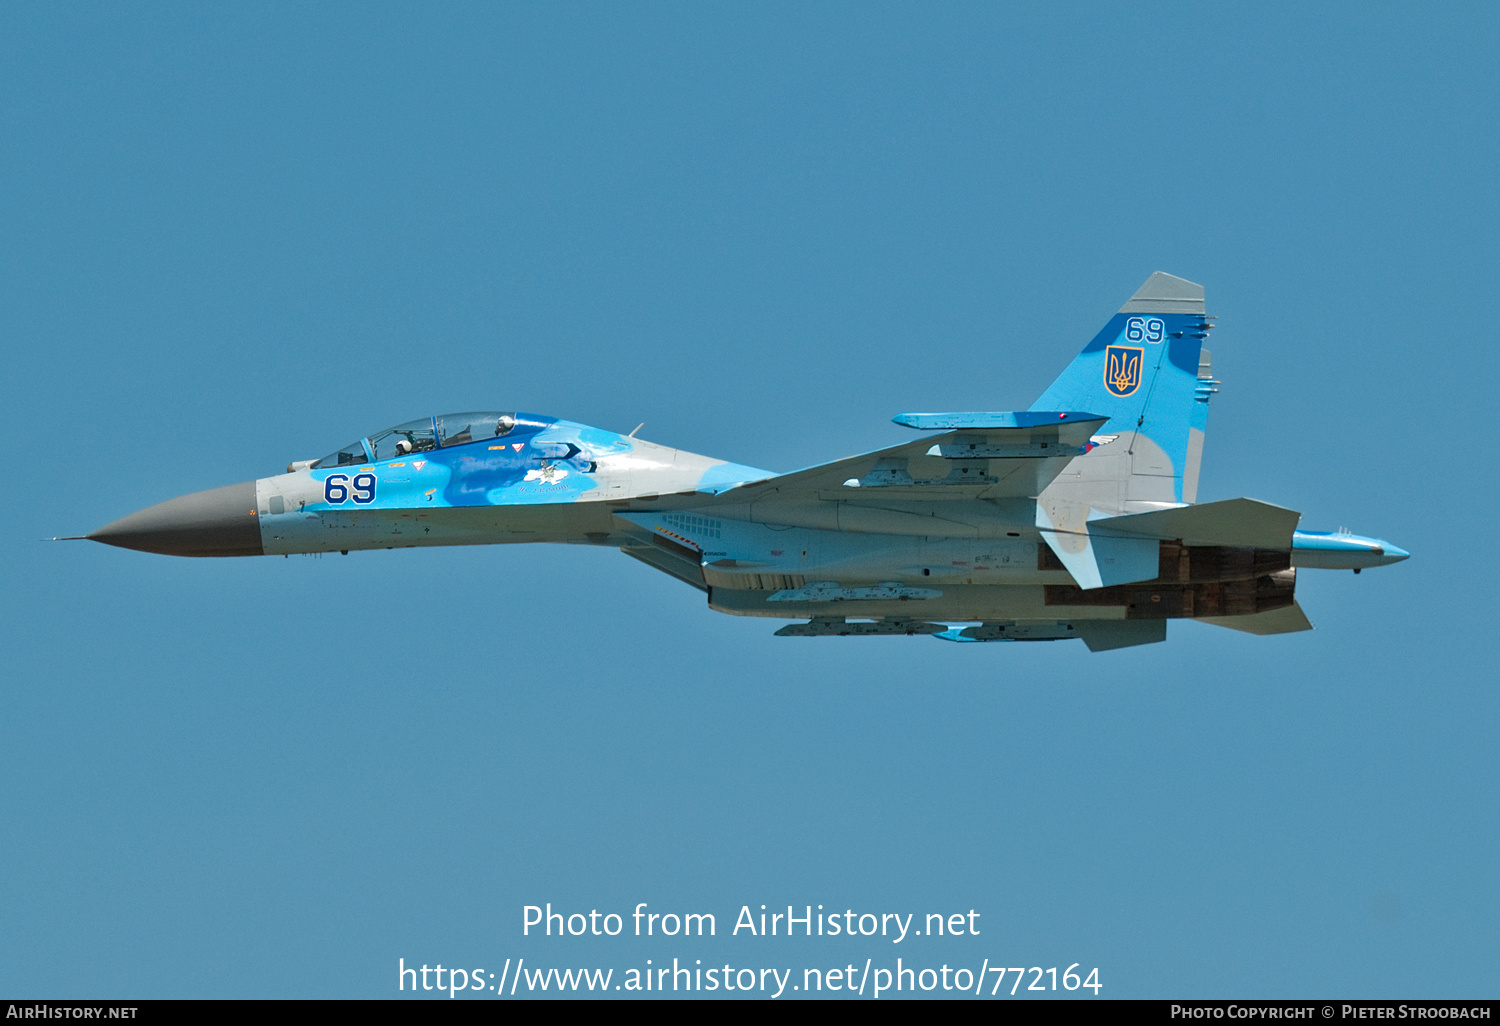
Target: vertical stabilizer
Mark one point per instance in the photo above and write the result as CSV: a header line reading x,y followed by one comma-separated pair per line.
x,y
1144,371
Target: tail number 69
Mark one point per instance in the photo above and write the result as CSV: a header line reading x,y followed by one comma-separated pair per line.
x,y
337,489
1151,329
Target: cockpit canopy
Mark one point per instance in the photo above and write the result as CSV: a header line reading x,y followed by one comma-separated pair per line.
x,y
421,436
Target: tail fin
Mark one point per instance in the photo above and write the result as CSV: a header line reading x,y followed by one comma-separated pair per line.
x,y
1148,372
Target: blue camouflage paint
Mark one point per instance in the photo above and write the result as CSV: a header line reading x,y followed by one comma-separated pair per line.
x,y
541,460
1160,403
1339,541
726,475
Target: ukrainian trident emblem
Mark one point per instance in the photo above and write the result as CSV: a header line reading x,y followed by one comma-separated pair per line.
x,y
1122,370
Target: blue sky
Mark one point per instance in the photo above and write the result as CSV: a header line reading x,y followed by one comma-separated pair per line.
x,y
233,237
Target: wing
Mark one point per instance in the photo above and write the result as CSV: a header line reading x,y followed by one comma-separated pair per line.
x,y
986,456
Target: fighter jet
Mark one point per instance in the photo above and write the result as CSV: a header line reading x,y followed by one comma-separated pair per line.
x,y
1076,518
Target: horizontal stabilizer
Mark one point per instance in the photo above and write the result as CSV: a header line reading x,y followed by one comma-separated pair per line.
x,y
1286,620
1242,523
1103,635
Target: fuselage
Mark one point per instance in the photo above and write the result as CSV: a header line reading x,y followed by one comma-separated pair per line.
x,y
531,478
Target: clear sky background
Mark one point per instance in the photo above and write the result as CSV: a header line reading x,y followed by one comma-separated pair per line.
x,y
234,236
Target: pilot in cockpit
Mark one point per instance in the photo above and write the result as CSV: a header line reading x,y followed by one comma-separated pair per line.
x,y
414,443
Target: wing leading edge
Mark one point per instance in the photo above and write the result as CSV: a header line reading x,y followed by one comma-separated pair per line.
x,y
984,456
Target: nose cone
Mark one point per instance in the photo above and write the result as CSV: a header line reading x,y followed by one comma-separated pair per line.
x,y
1392,554
218,522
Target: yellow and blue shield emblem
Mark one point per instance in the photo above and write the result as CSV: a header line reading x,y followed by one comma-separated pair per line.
x,y
1122,370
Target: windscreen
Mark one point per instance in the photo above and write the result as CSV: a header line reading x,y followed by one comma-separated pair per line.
x,y
350,454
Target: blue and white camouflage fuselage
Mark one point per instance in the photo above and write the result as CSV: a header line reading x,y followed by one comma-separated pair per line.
x,y
1075,518
545,479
